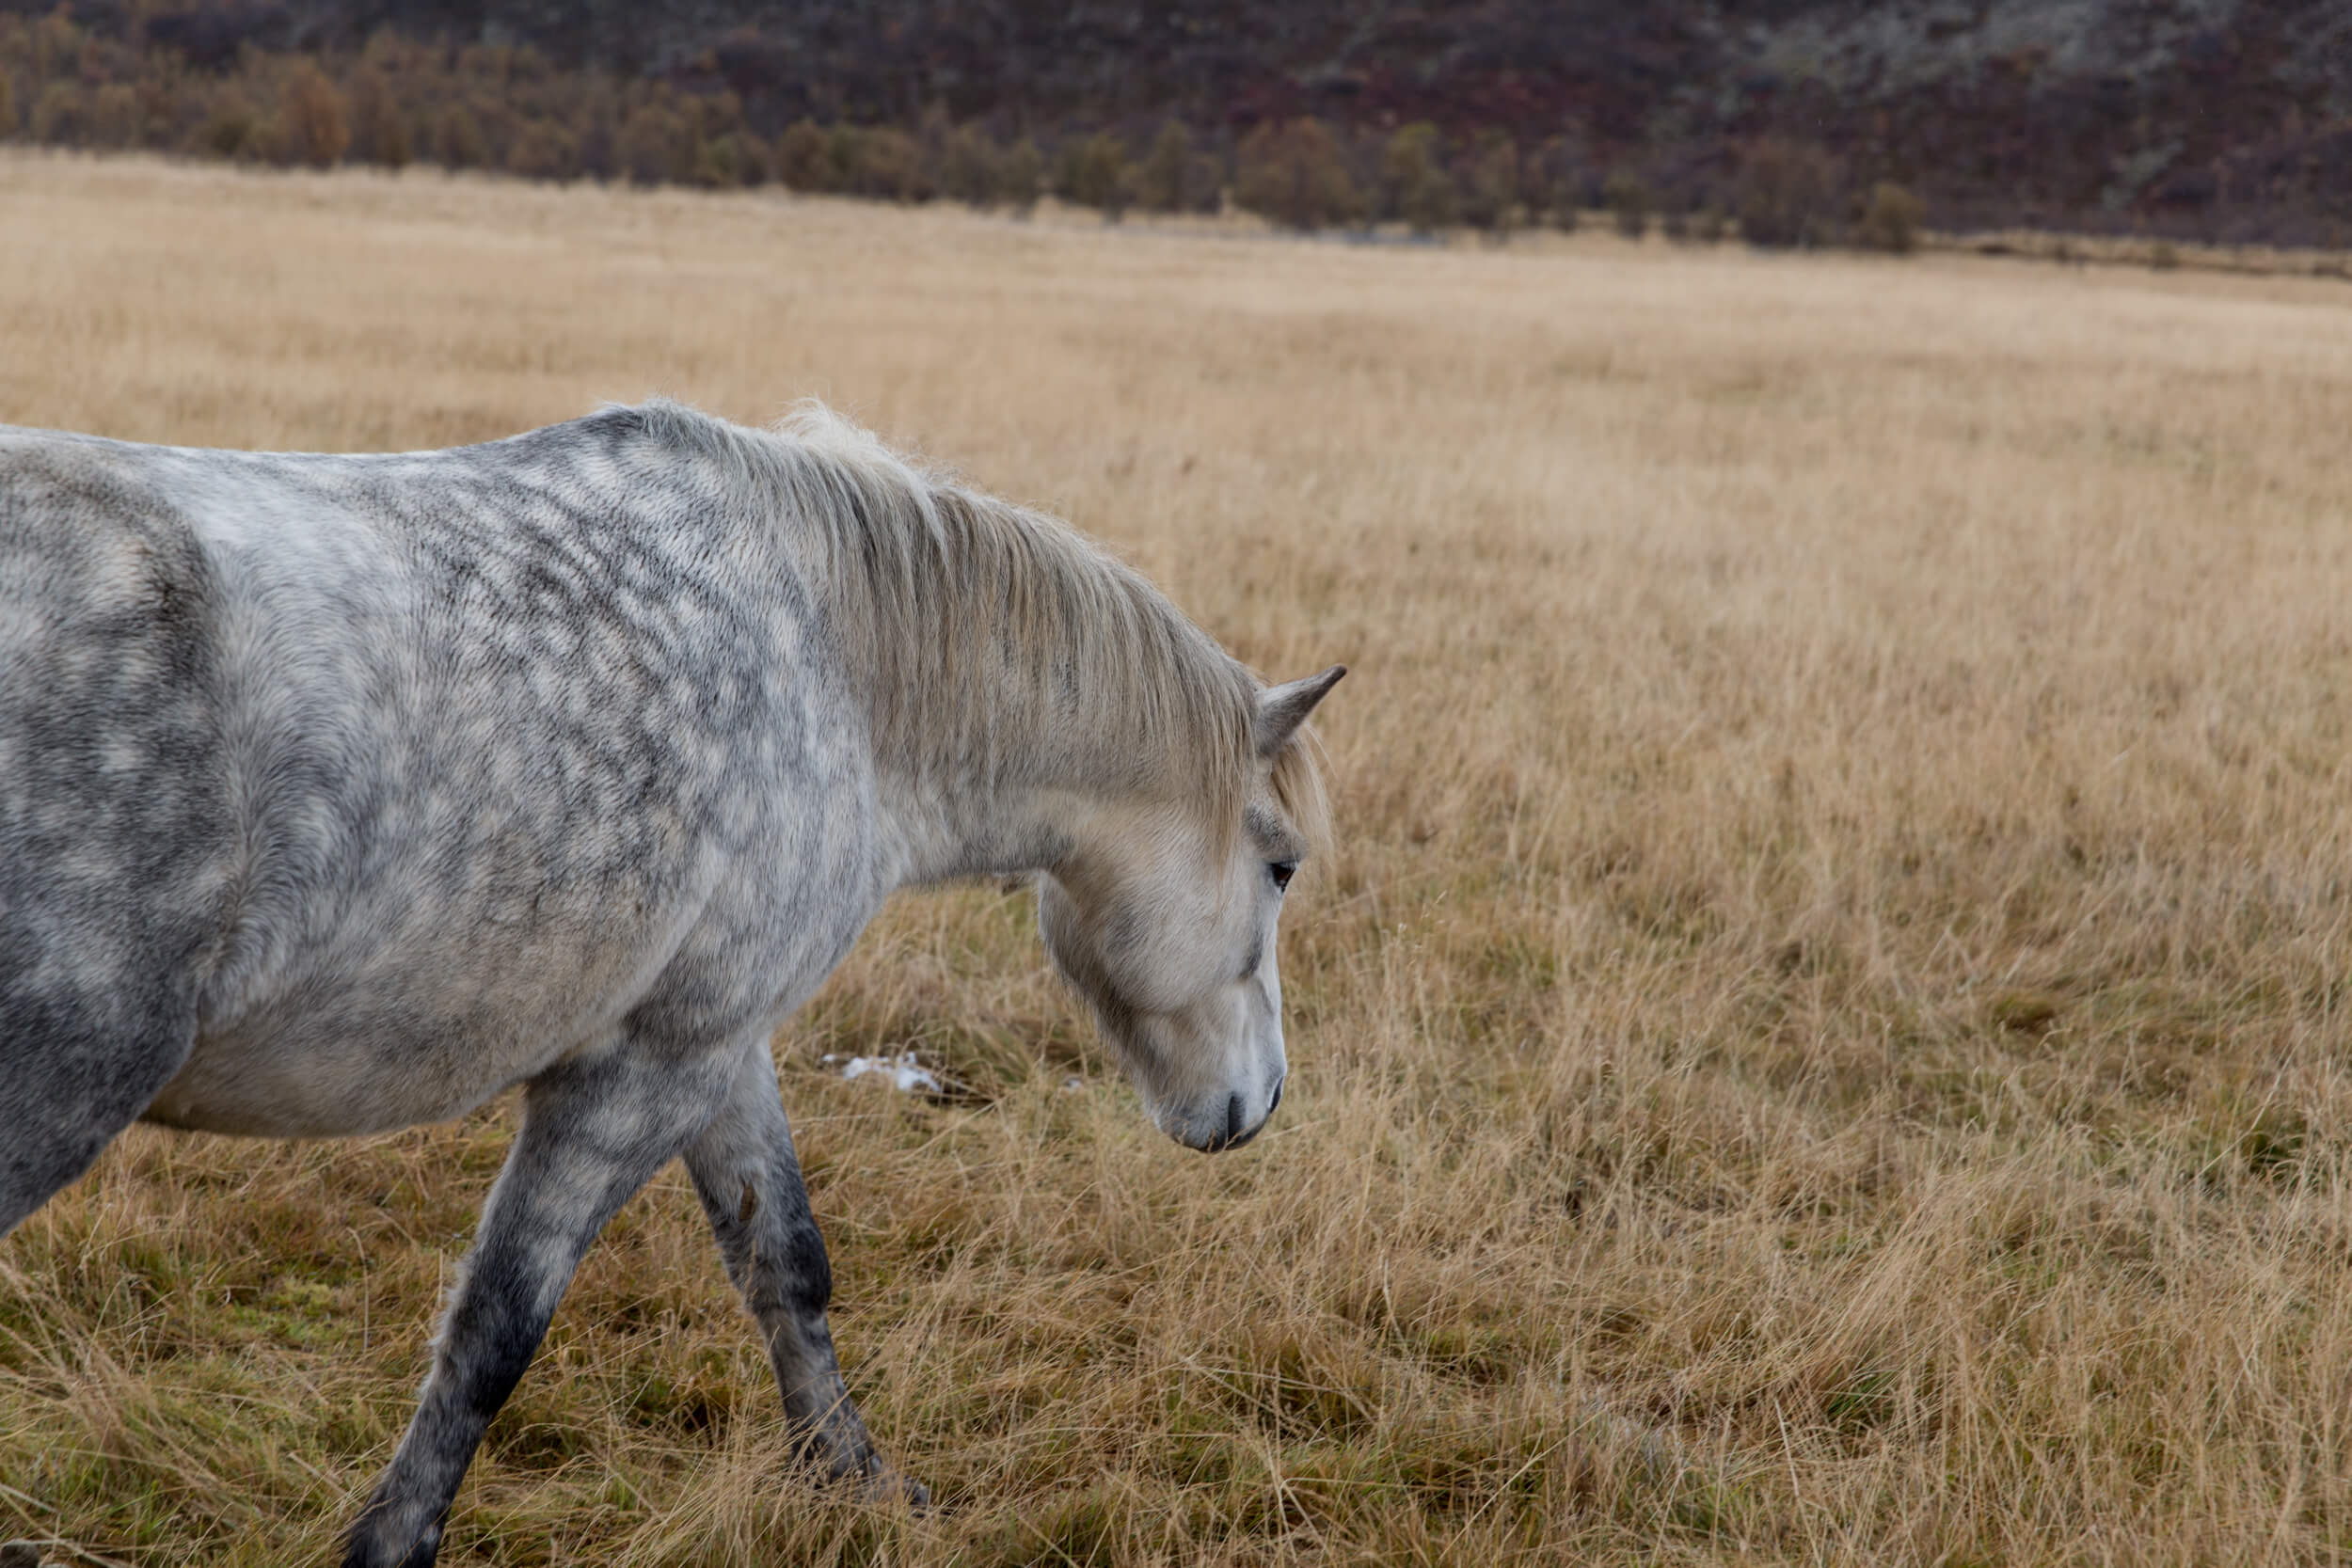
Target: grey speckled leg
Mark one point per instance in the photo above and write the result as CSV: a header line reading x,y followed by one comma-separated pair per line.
x,y
593,1135
81,1053
749,1182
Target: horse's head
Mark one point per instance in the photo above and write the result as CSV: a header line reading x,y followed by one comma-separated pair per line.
x,y
1164,920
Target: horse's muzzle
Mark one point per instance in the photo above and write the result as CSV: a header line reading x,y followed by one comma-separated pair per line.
x,y
1235,1135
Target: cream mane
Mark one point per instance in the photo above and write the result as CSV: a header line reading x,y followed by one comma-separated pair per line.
x,y
1007,648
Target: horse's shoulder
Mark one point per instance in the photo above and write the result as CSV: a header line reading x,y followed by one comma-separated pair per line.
x,y
86,521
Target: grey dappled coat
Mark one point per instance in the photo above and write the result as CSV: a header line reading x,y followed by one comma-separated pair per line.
x,y
340,793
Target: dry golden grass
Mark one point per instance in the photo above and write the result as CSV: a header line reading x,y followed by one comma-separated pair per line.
x,y
1823,1037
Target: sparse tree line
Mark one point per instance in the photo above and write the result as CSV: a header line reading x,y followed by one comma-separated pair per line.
x,y
481,106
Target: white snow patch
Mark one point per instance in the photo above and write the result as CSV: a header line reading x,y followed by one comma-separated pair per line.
x,y
904,1073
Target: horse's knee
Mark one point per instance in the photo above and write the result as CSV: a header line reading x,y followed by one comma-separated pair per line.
x,y
772,1249
488,1335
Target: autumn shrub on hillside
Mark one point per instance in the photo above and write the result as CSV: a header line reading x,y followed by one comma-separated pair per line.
x,y
889,167
1628,200
311,126
1789,195
1415,184
1890,222
227,127
1175,176
655,146
1491,185
968,167
1093,173
379,130
544,150
1296,175
58,114
1021,176
845,156
802,159
1555,182
457,140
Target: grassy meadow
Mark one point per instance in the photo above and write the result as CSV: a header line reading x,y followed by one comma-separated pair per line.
x,y
1823,1037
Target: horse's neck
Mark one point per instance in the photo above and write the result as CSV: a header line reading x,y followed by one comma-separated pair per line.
x,y
973,791
1002,708
938,829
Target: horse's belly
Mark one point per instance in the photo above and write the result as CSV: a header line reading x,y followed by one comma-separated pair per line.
x,y
299,1082
427,1029
415,1030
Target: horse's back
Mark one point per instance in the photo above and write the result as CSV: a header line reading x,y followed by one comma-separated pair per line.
x,y
116,845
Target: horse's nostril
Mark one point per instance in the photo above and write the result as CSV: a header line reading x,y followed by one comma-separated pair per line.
x,y
1234,1136
1275,1103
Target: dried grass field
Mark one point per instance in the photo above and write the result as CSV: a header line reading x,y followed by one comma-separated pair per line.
x,y
1823,1037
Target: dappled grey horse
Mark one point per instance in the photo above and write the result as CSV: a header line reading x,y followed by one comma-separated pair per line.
x,y
338,793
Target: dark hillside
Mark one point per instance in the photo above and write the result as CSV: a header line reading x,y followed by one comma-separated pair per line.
x,y
2217,119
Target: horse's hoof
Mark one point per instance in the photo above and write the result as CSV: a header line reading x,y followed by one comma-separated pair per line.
x,y
20,1554
373,1545
888,1486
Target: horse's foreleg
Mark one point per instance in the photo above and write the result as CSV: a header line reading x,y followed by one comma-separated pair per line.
x,y
749,1182
78,1064
592,1136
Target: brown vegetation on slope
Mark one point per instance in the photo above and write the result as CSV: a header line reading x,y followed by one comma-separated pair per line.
x,y
510,110
2211,119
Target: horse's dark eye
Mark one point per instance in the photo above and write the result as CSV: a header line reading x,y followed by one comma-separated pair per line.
x,y
1281,871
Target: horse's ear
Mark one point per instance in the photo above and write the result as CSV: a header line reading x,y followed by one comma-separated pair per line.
x,y
1283,708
